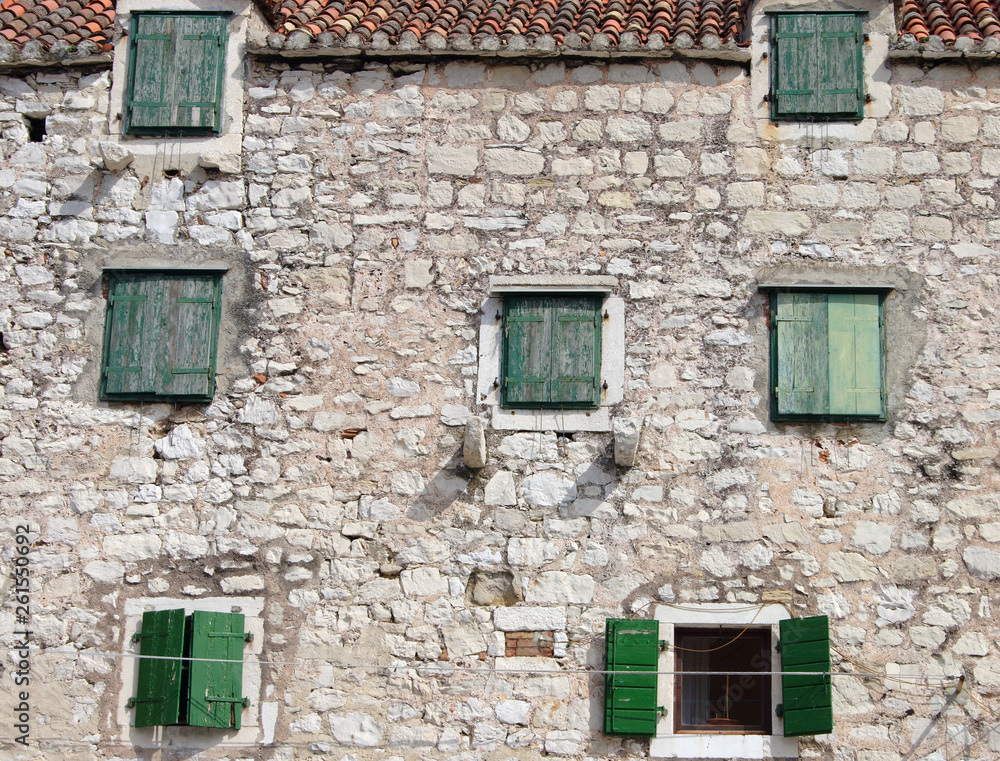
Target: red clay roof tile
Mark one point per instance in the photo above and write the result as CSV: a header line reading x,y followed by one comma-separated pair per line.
x,y
48,21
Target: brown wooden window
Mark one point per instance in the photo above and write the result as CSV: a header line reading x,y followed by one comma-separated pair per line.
x,y
714,692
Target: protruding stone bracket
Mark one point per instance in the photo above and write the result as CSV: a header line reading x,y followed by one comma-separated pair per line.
x,y
626,431
474,447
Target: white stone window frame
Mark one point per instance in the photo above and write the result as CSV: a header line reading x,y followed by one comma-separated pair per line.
x,y
182,152
880,27
258,719
667,744
612,353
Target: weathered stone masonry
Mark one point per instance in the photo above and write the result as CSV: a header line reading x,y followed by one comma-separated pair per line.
x,y
327,478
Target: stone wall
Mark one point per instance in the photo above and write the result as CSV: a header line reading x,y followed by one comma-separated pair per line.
x,y
327,477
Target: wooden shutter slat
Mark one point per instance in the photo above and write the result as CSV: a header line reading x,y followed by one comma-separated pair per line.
x,y
158,692
802,356
808,698
630,699
216,698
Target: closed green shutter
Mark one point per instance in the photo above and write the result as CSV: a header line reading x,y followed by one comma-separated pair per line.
x,y
216,698
527,351
817,69
552,351
630,700
158,693
176,73
801,354
855,354
807,699
161,336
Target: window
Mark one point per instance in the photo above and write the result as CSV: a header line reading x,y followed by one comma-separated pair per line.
x,y
827,356
817,66
552,351
715,693
161,336
196,676
698,680
176,67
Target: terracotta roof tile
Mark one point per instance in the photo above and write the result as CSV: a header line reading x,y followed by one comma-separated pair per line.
x,y
49,21
950,20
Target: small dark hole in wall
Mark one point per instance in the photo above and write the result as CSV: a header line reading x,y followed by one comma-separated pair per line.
x,y
36,129
171,172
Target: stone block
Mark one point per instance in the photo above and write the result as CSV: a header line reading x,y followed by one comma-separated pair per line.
x,y
959,129
529,619
681,131
823,196
743,194
932,229
626,431
514,162
559,587
457,160
474,444
777,222
920,101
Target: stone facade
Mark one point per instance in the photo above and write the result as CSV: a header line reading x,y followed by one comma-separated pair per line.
x,y
361,226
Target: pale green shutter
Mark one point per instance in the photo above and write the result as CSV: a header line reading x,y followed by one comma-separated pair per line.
x,y
192,325
123,337
855,354
216,682
199,66
801,355
807,701
631,656
158,692
151,71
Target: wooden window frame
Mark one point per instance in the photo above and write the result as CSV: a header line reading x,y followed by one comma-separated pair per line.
x,y
774,294
549,404
153,395
729,636
775,55
173,130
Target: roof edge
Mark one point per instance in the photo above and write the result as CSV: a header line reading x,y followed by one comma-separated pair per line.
x,y
935,48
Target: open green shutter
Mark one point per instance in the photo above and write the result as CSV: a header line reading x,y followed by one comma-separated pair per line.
x,y
216,696
193,314
576,352
807,699
794,69
199,45
840,65
123,339
527,350
158,693
801,356
630,701
855,354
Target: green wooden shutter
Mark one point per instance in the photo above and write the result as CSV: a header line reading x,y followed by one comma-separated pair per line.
x,y
158,694
807,700
123,337
840,82
193,324
855,354
794,71
527,350
216,697
576,352
817,68
630,700
801,356
176,73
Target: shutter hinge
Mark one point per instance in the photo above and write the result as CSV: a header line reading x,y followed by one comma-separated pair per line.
x,y
661,711
767,98
218,699
779,710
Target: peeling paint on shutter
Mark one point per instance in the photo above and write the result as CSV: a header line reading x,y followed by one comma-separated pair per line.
x,y
216,698
807,700
630,700
801,354
158,693
855,354
176,73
